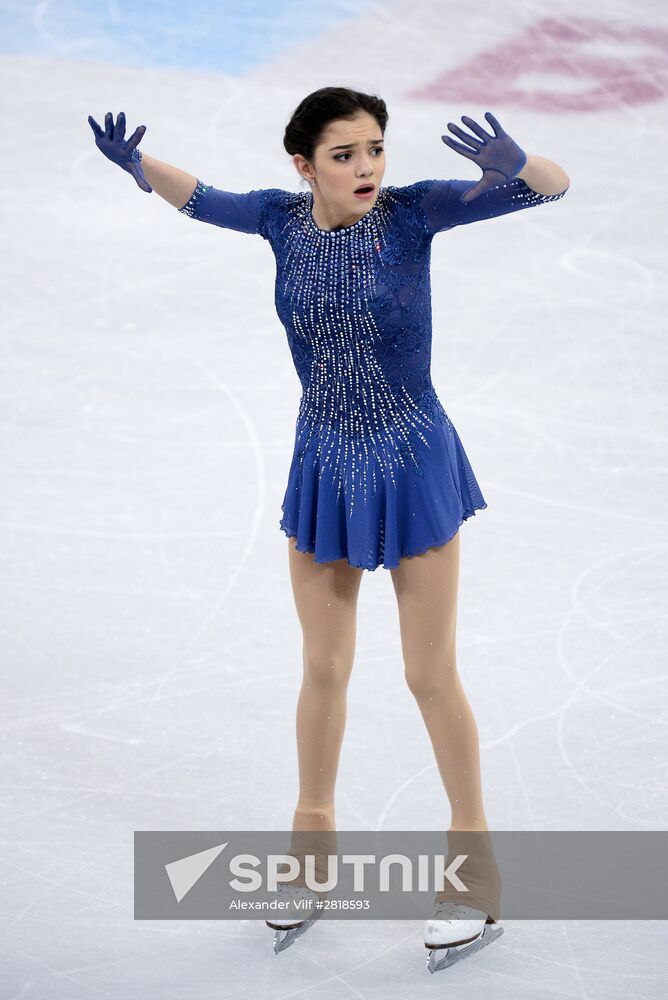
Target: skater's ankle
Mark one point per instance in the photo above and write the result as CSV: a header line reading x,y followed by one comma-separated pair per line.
x,y
468,827
313,818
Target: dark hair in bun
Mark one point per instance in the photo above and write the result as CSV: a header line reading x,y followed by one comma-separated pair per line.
x,y
312,115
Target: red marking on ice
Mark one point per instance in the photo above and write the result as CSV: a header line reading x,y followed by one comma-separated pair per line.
x,y
633,70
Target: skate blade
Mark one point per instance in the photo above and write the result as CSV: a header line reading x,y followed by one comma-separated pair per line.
x,y
489,934
285,936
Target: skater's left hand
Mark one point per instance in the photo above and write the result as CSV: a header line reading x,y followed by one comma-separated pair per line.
x,y
498,156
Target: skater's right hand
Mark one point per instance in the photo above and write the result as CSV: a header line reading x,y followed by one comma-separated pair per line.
x,y
111,143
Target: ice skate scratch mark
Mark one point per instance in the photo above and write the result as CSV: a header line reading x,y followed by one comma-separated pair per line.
x,y
253,522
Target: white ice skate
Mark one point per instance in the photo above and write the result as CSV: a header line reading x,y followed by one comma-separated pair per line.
x,y
296,918
456,931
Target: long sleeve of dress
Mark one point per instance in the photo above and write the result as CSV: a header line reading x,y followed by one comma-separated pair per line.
x,y
242,212
444,210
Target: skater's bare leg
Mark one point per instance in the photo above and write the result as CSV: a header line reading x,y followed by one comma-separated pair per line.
x,y
426,590
326,601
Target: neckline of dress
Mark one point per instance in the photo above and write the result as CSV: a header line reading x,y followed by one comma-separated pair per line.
x,y
342,229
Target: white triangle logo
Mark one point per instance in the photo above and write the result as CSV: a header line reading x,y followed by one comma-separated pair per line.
x,y
184,873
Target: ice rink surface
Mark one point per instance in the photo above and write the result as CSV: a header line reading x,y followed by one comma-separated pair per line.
x,y
151,652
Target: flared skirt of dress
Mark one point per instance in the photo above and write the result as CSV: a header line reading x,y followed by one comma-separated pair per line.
x,y
431,491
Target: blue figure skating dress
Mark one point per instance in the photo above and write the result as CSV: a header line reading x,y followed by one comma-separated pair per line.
x,y
378,471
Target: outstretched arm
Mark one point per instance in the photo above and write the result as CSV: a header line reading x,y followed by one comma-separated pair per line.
x,y
181,189
501,160
511,180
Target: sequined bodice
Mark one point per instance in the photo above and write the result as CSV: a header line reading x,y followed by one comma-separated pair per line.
x,y
355,304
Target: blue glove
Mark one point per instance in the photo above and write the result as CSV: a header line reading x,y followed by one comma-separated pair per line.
x,y
498,156
110,142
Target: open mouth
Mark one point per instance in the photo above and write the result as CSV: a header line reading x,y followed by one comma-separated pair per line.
x,y
365,189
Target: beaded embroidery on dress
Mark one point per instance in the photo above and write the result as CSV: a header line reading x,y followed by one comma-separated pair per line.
x,y
378,471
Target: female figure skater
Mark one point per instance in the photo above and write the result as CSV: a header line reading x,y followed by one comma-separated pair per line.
x,y
378,472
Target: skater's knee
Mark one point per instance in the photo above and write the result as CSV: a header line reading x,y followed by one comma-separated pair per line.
x,y
327,670
428,679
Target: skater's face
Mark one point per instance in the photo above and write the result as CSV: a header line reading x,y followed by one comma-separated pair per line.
x,y
350,153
